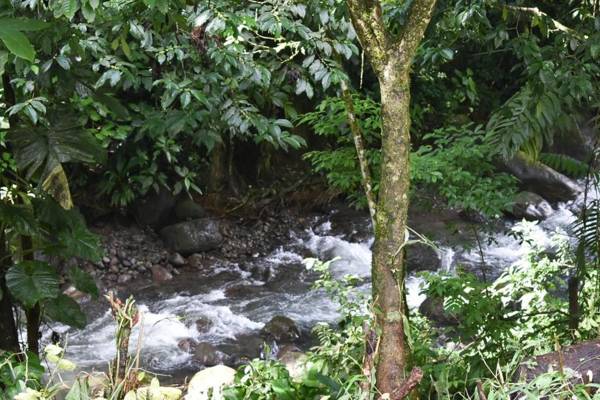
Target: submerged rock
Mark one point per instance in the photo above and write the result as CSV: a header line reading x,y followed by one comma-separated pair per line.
x,y
280,329
176,260
188,345
210,380
192,236
207,354
203,325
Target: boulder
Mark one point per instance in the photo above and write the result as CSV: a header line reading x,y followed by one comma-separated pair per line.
x,y
160,274
187,209
280,329
208,355
581,360
155,209
210,380
192,236
421,257
530,206
433,309
196,261
543,180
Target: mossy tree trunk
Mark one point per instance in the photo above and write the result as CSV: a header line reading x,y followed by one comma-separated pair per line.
x,y
391,57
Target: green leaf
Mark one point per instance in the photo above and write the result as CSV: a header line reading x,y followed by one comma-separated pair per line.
x,y
68,8
66,310
22,24
3,60
83,281
79,391
18,44
32,281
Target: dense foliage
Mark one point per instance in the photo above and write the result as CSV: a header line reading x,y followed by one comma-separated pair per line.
x,y
105,102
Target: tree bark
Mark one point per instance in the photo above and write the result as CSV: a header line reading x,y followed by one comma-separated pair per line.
x,y
9,338
391,59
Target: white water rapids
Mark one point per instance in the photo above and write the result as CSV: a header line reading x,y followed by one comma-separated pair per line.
x,y
170,317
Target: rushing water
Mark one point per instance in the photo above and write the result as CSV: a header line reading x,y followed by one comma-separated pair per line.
x,y
239,305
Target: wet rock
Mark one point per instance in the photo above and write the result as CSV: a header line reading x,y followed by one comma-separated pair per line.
x,y
543,180
188,345
421,257
582,360
210,380
530,206
196,261
106,260
160,274
207,354
203,325
433,309
187,209
192,236
280,329
176,260
75,294
240,291
261,272
155,209
124,278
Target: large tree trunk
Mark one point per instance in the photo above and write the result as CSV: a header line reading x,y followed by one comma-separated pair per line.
x,y
392,208
391,58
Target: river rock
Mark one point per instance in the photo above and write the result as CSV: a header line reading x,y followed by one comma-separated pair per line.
x,y
280,329
192,236
421,257
188,345
207,354
154,209
160,274
203,325
187,209
176,260
530,206
433,309
582,360
210,380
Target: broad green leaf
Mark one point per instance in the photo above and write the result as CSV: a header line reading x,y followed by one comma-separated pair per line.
x,y
56,185
18,218
79,391
32,281
83,281
3,60
18,44
22,24
66,310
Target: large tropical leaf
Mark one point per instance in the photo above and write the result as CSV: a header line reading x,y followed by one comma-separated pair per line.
x,y
83,281
32,281
66,310
18,218
11,34
42,149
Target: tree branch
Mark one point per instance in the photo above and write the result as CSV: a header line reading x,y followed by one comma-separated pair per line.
x,y
367,19
558,26
413,30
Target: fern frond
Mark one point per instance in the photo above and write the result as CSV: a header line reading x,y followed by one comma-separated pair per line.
x,y
565,164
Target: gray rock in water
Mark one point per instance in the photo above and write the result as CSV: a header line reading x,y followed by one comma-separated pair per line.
x,y
192,236
208,355
176,260
160,274
187,209
188,345
421,257
530,206
154,209
280,329
203,325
